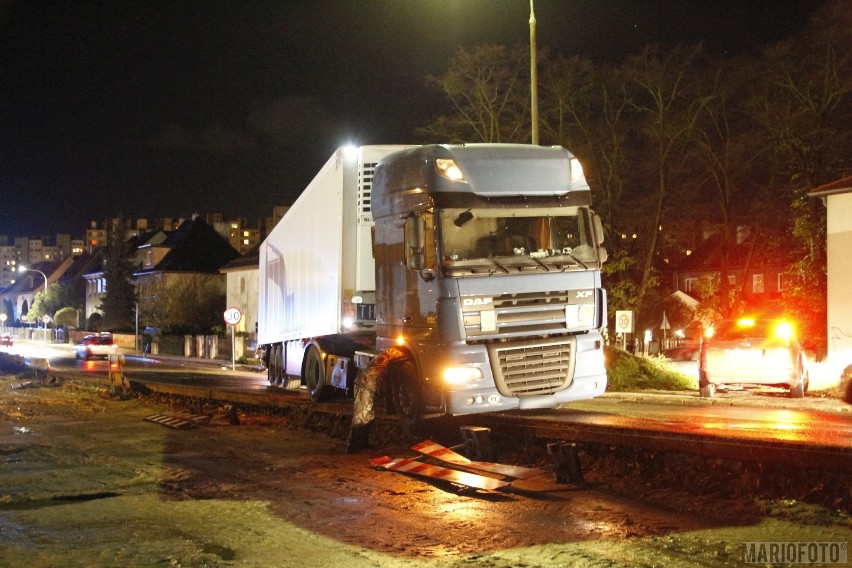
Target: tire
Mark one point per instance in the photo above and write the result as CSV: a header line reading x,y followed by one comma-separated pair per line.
x,y
273,366
848,395
798,391
313,374
408,398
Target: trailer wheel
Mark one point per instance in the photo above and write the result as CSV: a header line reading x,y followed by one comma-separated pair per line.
x,y
408,398
314,375
275,367
270,364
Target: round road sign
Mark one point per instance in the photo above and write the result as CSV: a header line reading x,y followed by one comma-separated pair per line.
x,y
233,316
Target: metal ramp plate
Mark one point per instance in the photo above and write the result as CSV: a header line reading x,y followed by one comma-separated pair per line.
x,y
178,420
446,455
415,467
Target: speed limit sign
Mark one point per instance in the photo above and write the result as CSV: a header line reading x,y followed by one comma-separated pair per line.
x,y
624,321
233,316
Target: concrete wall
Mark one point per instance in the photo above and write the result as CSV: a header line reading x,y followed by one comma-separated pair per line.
x,y
839,245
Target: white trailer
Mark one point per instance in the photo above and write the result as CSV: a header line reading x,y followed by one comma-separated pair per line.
x,y
316,266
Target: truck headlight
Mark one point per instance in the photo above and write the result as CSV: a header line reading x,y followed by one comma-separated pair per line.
x,y
449,169
457,375
579,315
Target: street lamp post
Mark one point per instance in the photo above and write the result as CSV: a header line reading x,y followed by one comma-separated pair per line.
x,y
533,78
23,268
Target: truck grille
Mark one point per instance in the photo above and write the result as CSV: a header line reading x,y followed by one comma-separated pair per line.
x,y
525,314
533,367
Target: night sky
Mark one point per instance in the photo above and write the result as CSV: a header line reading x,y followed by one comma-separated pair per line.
x,y
165,109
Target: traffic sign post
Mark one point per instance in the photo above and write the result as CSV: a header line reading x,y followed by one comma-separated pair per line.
x,y
233,316
665,327
624,325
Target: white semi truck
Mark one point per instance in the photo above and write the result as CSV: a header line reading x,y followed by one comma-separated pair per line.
x,y
480,261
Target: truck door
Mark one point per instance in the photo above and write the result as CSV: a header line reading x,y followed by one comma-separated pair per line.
x,y
406,288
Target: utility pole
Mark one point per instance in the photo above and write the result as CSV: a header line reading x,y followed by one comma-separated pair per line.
x,y
533,78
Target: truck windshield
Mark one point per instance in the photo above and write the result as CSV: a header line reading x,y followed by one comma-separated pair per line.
x,y
506,240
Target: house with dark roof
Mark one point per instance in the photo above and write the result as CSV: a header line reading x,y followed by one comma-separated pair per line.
x,y
760,278
95,287
194,252
18,297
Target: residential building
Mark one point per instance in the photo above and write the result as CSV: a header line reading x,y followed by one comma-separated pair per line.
x,y
9,258
760,279
189,256
95,236
837,198
241,274
17,298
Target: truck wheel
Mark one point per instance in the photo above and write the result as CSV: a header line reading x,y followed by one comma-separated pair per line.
x,y
314,375
408,399
271,366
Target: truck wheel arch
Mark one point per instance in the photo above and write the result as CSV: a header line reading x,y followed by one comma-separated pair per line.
x,y
407,394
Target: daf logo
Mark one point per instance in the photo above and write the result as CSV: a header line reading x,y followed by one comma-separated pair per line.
x,y
584,293
473,302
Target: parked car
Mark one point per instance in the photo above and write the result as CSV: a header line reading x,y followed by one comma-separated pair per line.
x,y
102,345
752,352
7,340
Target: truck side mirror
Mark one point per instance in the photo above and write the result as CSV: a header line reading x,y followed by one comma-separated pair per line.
x,y
415,229
597,227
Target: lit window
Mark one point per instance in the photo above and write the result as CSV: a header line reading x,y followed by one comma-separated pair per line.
x,y
757,283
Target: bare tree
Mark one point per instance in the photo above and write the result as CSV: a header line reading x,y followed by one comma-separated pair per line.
x,y
488,90
666,83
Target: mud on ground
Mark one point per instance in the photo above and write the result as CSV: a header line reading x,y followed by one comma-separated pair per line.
x,y
86,480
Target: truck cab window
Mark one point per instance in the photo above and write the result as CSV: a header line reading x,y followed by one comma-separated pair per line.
x,y
532,235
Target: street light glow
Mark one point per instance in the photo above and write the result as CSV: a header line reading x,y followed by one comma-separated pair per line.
x,y
22,268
